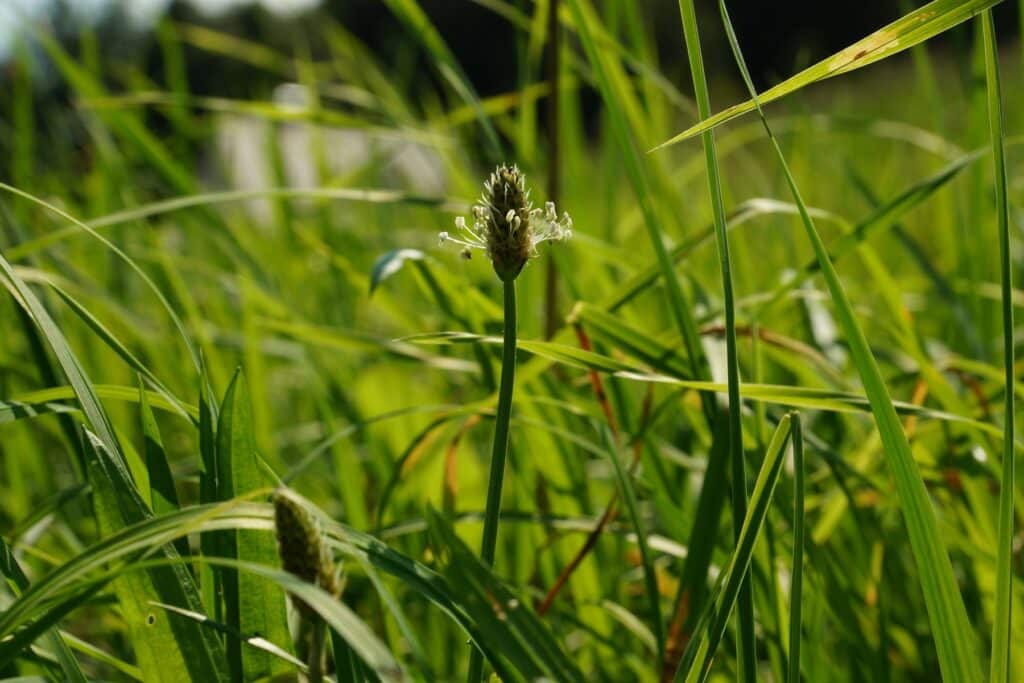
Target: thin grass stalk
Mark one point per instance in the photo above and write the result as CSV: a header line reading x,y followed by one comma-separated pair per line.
x,y
628,496
747,642
499,451
1002,625
700,653
796,581
678,301
315,657
554,66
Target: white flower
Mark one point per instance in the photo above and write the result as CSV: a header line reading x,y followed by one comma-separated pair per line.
x,y
506,226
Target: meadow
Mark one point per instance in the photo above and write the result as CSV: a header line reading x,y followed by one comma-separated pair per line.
x,y
755,416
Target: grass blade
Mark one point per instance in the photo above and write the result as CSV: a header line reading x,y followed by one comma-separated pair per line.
x,y
163,497
611,79
73,370
911,29
12,571
796,581
747,644
168,649
1002,626
502,616
252,605
699,655
954,638
628,496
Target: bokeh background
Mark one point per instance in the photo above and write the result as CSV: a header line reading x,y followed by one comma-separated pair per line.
x,y
354,145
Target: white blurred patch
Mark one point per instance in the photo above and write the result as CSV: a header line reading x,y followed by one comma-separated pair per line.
x,y
243,149
14,15
289,8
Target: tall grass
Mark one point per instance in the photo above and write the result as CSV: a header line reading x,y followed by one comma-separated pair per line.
x,y
180,340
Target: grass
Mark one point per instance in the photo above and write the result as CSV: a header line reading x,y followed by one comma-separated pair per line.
x,y
176,345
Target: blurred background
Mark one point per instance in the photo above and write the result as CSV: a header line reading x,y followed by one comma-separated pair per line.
x,y
281,170
778,38
121,43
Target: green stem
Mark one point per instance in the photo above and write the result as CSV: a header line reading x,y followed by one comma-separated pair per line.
x,y
796,583
315,656
551,318
499,452
747,642
1002,627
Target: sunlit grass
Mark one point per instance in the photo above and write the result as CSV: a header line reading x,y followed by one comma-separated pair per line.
x,y
268,271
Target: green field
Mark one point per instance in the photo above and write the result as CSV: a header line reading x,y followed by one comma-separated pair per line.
x,y
218,305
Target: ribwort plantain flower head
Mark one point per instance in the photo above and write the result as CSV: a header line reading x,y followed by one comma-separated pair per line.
x,y
506,226
301,546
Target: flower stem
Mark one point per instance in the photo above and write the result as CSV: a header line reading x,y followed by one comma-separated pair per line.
x,y
499,451
315,656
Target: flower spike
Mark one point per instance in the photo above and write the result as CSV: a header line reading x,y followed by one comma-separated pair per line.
x,y
506,226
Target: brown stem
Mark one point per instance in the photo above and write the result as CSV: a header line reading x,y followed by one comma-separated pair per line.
x,y
551,316
611,511
451,465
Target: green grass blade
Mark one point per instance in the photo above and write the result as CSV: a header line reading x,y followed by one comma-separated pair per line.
x,y
419,24
73,370
747,646
256,642
914,28
611,81
115,344
12,571
1002,629
701,651
347,666
167,649
503,618
954,638
797,570
178,324
48,374
628,495
252,604
163,497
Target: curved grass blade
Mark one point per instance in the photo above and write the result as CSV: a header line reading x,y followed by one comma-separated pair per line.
x,y
115,344
390,263
954,638
255,642
114,552
83,388
747,646
337,615
796,580
12,571
167,649
49,374
914,28
252,606
628,496
793,396
45,401
165,304
699,654
371,196
354,340
525,640
611,80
